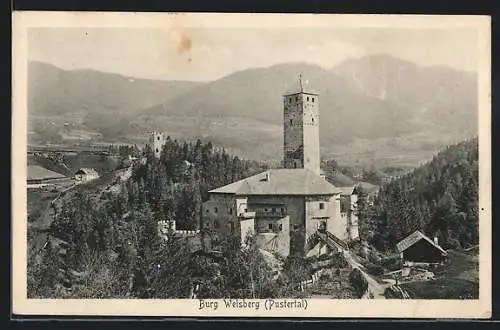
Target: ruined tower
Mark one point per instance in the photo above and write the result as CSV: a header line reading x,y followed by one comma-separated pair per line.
x,y
157,142
301,127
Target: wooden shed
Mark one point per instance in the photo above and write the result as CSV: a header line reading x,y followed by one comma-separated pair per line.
x,y
418,248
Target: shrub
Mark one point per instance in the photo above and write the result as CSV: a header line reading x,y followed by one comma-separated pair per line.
x,y
392,263
339,261
374,269
358,281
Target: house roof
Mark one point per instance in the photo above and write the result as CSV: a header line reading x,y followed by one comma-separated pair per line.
x,y
88,171
280,182
36,172
414,238
345,191
368,187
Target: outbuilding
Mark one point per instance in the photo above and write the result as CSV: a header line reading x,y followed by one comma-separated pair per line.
x,y
420,249
86,174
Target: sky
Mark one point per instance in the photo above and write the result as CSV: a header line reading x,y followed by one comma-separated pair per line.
x,y
211,53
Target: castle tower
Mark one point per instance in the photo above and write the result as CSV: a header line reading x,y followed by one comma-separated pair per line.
x,y
301,128
157,142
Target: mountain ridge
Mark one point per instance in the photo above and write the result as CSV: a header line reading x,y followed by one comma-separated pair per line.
x,y
367,100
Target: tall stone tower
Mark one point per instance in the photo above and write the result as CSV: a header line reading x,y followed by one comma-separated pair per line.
x,y
157,141
301,128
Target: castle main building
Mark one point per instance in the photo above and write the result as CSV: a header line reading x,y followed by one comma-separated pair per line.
x,y
285,208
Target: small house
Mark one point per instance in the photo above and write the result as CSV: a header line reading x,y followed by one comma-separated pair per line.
x,y
86,175
420,249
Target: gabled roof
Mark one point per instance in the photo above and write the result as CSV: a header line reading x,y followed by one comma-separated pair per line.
x,y
368,187
36,172
414,238
280,182
88,171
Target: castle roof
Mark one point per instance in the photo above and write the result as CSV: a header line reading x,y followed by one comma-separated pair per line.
x,y
300,86
301,182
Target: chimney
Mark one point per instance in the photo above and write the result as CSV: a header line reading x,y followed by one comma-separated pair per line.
x,y
436,240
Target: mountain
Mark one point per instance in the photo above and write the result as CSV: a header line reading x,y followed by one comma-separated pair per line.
x,y
90,98
370,104
439,198
56,91
371,108
428,96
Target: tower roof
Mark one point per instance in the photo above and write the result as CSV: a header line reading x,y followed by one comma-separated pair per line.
x,y
300,86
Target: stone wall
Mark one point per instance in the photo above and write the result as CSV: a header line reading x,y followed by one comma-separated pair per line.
x,y
219,214
293,132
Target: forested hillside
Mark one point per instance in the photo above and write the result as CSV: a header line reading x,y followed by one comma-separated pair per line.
x,y
439,198
103,245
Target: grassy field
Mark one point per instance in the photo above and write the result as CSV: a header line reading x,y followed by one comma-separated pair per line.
x,y
458,278
443,288
38,202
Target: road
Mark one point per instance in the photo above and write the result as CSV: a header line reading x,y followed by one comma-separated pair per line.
x,y
374,287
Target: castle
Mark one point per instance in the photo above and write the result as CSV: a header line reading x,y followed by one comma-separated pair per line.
x,y
288,210
157,141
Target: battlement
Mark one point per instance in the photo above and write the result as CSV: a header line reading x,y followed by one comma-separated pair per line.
x,y
157,141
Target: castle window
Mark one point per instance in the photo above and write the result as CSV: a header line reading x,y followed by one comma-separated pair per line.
x,y
308,98
265,210
270,226
207,210
281,227
290,122
156,149
296,98
313,99
321,206
216,210
295,164
295,227
246,210
158,138
282,210
230,211
290,100
313,120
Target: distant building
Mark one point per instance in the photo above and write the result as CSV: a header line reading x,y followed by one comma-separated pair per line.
x,y
285,208
86,175
157,141
39,176
418,248
348,211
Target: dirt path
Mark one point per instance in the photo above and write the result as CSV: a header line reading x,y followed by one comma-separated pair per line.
x,y
374,286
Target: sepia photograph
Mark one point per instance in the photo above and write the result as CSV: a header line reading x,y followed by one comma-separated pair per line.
x,y
251,165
